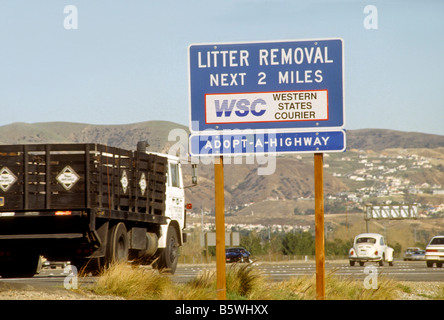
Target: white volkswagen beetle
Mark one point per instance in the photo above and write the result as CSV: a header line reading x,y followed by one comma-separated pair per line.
x,y
370,247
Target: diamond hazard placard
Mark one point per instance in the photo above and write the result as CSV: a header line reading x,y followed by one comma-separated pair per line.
x,y
124,181
67,177
142,184
7,178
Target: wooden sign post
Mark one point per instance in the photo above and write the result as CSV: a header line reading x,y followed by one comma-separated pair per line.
x,y
220,228
319,225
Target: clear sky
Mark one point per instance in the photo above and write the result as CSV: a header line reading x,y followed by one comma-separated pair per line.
x,y
127,60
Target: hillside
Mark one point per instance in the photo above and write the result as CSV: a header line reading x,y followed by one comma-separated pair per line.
x,y
122,136
293,178
354,173
380,139
126,136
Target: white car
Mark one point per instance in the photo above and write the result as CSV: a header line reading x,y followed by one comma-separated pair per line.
x,y
435,252
370,247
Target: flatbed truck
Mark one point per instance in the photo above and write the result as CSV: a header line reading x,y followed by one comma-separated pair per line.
x,y
90,204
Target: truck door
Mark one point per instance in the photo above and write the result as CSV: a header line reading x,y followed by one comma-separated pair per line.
x,y
175,203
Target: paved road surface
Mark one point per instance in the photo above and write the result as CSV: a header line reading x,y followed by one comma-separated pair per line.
x,y
401,271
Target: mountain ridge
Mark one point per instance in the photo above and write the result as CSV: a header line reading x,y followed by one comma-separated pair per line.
x,y
293,176
125,135
380,139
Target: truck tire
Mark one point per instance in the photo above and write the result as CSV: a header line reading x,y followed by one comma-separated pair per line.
x,y
117,244
169,256
117,249
24,266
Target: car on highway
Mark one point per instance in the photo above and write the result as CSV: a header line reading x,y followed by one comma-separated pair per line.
x,y
435,252
237,254
414,254
370,247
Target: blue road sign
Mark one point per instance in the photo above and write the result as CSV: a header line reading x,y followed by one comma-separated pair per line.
x,y
267,85
241,143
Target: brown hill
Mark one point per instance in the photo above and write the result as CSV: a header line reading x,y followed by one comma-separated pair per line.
x,y
380,139
127,135
122,136
156,132
292,179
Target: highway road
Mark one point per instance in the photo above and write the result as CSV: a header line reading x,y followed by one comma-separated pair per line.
x,y
401,271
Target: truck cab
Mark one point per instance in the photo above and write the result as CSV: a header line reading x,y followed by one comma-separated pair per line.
x,y
171,234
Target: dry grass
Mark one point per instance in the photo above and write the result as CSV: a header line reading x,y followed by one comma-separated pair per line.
x,y
132,282
243,283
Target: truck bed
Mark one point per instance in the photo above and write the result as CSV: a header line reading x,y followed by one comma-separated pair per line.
x,y
45,178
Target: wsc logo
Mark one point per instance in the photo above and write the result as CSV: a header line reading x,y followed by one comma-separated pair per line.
x,y
225,107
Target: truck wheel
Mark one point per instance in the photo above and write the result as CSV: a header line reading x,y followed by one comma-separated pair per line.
x,y
118,244
169,256
23,267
